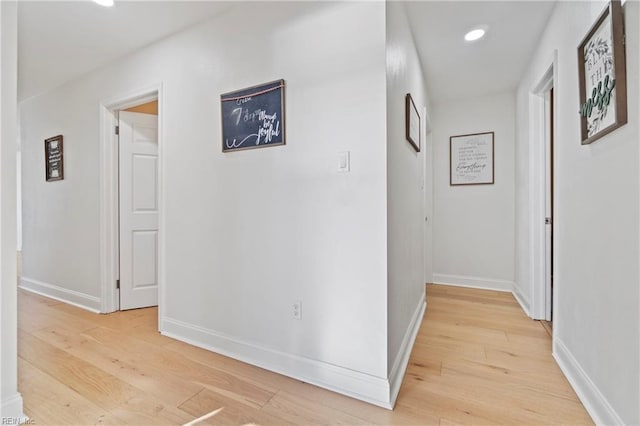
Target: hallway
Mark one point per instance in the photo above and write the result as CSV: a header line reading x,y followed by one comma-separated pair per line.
x,y
477,359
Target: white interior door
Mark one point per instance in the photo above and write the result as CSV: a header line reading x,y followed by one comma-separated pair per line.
x,y
548,113
138,184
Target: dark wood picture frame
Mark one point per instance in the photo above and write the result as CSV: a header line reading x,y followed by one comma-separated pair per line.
x,y
253,117
412,123
603,90
468,159
54,158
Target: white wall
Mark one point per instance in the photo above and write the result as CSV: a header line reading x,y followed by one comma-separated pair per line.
x,y
405,191
474,224
246,233
19,199
428,202
597,314
10,399
61,237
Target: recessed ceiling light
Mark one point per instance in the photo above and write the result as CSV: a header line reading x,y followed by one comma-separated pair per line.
x,y
105,3
475,34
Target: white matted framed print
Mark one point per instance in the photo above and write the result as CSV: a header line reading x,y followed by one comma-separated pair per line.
x,y
471,159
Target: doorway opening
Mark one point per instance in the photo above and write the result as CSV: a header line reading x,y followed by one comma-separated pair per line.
x,y
543,207
131,209
549,210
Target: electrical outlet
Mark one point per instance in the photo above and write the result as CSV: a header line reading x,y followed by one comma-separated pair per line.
x,y
297,310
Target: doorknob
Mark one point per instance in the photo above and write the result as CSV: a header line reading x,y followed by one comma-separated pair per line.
x,y
547,221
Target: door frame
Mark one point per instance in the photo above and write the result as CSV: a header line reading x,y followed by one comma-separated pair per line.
x,y
540,137
427,197
109,206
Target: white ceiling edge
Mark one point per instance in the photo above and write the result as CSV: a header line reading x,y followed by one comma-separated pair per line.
x,y
456,69
73,38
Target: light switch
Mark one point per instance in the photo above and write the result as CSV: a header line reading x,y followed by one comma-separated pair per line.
x,y
344,161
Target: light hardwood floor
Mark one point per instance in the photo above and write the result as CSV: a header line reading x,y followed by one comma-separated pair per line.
x,y
477,360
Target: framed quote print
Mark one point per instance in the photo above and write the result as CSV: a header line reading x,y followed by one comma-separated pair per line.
x,y
53,158
602,76
471,159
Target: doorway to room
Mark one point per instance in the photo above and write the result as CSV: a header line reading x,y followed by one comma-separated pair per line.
x,y
131,195
542,202
549,209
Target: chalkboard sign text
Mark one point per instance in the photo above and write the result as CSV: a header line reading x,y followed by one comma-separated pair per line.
x,y
253,117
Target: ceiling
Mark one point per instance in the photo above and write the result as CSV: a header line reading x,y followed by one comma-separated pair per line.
x,y
59,41
457,69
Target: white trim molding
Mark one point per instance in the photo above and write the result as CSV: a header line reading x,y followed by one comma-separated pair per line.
x,y
108,214
362,386
75,298
537,188
596,404
402,358
473,282
11,408
521,299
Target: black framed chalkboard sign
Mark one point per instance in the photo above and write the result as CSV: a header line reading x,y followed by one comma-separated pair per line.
x,y
253,117
54,164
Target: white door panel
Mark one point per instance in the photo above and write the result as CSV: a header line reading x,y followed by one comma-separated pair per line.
x,y
144,173
145,259
138,156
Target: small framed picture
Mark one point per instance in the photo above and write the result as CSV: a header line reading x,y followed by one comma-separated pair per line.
x,y
54,159
412,122
471,159
602,76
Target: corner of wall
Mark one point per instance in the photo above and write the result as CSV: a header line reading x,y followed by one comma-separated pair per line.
x,y
71,297
362,386
11,410
593,400
473,282
405,171
521,299
401,362
11,405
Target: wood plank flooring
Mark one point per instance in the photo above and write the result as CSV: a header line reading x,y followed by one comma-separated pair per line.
x,y
477,360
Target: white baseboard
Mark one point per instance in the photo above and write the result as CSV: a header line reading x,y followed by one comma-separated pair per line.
x,y
365,387
522,300
402,359
75,298
596,404
12,409
473,282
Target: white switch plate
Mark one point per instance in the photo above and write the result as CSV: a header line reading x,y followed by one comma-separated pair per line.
x,y
297,310
344,161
